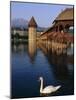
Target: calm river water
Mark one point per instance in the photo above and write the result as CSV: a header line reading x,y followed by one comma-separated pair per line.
x,y
29,62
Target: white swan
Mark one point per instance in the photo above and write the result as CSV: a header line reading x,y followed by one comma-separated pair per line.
x,y
48,89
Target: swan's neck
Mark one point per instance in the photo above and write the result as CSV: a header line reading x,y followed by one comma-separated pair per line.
x,y
41,87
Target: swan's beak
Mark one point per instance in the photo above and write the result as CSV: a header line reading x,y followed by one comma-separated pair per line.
x,y
57,87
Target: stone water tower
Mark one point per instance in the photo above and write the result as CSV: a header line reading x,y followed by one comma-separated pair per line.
x,y
32,36
32,32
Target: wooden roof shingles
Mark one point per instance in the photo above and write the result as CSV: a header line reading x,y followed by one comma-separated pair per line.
x,y
67,14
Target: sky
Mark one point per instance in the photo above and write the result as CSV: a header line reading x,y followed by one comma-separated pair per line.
x,y
44,14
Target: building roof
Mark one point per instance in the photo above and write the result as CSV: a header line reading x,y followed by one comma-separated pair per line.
x,y
32,22
67,14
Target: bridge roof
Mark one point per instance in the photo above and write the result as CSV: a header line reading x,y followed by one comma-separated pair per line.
x,y
67,14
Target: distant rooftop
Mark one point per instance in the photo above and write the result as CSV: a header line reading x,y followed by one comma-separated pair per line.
x,y
32,23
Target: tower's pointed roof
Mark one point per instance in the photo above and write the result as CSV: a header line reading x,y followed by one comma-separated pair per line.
x,y
32,22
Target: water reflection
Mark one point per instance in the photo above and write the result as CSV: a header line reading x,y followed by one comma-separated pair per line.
x,y
19,48
32,50
60,63
56,69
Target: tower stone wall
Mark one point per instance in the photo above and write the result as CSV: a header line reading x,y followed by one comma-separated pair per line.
x,y
32,32
32,36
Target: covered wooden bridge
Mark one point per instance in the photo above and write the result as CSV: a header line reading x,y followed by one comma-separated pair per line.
x,y
58,36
